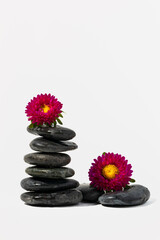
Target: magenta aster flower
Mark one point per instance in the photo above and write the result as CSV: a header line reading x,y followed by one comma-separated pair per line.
x,y
44,109
110,172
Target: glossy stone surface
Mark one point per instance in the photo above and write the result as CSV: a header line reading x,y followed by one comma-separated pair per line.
x,y
90,194
47,159
44,145
62,198
48,185
135,195
52,173
58,133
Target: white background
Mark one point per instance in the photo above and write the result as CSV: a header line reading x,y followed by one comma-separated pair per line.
x,y
101,59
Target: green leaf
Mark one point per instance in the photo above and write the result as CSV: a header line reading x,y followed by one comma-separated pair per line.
x,y
60,115
132,180
47,124
59,121
127,187
31,125
104,153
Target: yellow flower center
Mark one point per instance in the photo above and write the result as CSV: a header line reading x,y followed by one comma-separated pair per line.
x,y
45,108
110,171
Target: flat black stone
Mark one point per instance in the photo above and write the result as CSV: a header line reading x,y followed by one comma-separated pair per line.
x,y
90,194
56,133
135,195
52,173
44,145
47,159
48,185
62,198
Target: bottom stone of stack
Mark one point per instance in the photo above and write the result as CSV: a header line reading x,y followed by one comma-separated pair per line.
x,y
52,199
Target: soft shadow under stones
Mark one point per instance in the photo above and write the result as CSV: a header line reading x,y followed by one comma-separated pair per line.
x,y
86,204
149,202
81,204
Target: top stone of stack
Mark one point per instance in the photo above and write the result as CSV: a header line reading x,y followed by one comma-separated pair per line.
x,y
57,133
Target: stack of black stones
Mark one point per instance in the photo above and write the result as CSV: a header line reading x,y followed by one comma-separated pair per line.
x,y
49,184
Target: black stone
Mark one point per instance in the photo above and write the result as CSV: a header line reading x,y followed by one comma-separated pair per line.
x,y
44,145
48,159
48,185
55,133
62,198
135,195
90,194
52,173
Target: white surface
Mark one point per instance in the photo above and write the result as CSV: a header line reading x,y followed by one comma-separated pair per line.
x,y
101,59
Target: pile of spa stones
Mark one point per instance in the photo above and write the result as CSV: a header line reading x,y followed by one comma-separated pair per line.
x,y
50,183
134,195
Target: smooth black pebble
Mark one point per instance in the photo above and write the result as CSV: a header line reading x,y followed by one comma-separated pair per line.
x,y
90,194
44,145
134,195
47,159
57,133
62,198
53,173
48,185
